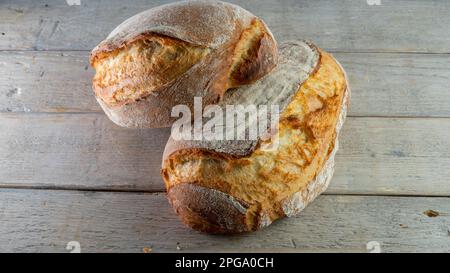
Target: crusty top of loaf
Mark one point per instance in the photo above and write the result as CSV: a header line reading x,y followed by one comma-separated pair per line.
x,y
297,61
168,55
199,22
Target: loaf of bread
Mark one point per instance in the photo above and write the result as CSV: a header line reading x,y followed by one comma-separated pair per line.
x,y
168,55
239,186
221,53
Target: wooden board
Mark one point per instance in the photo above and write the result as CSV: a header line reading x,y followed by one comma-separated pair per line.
x,y
36,221
86,151
77,152
46,82
68,174
382,84
394,26
407,85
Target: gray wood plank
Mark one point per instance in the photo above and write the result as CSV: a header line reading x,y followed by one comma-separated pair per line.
x,y
378,155
45,221
395,25
78,151
46,82
398,84
394,156
382,84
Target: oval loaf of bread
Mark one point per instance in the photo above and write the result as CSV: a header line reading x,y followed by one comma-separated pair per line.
x,y
239,186
168,55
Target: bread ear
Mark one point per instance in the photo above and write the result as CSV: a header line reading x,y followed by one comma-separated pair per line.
x,y
168,55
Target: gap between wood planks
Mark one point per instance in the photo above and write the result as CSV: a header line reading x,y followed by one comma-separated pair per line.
x,y
329,51
102,113
130,191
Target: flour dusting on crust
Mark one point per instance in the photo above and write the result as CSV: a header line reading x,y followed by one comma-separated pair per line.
x,y
297,61
205,23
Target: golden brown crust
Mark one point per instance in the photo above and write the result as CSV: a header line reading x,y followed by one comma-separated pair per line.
x,y
168,55
193,204
124,76
271,184
253,55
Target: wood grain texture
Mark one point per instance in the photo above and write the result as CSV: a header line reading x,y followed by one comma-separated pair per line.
x,y
390,156
395,25
398,84
86,151
78,151
382,84
44,221
46,82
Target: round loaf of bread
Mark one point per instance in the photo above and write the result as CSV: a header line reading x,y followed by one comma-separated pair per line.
x,y
168,55
244,185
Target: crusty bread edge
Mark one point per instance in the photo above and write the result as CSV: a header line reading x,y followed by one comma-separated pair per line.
x,y
298,201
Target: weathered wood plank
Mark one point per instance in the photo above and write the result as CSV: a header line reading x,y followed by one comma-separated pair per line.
x,y
382,84
394,156
46,82
378,156
400,25
45,221
78,151
398,84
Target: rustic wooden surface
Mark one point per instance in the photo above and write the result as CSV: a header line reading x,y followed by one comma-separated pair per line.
x,y
344,25
38,220
389,156
68,174
382,84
